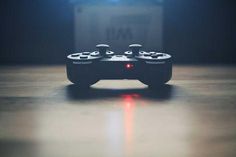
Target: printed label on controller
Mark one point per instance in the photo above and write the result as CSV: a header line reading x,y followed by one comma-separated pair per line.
x,y
88,62
151,62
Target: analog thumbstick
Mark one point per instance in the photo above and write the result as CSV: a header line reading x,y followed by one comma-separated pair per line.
x,y
135,48
102,48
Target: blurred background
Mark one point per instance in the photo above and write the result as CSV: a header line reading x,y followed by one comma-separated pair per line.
x,y
45,31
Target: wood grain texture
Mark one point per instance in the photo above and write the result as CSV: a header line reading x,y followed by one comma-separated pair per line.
x,y
43,115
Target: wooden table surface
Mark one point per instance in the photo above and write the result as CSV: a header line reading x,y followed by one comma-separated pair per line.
x,y
43,115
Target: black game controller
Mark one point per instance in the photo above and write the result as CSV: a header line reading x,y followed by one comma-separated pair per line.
x,y
151,68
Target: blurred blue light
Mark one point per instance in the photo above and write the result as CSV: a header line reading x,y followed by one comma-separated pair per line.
x,y
114,1
122,2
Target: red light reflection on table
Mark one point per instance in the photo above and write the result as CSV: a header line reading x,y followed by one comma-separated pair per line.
x,y
129,105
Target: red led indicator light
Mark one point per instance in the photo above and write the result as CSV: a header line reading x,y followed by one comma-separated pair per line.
x,y
129,66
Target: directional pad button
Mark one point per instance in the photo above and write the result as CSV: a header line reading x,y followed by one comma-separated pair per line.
x,y
75,55
85,53
83,56
157,55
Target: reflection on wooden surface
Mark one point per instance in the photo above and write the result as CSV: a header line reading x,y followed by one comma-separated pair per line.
x,y
43,115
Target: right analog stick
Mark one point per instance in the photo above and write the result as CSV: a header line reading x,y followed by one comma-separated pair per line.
x,y
135,48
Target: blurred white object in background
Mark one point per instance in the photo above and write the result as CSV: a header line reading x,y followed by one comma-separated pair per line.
x,y
118,24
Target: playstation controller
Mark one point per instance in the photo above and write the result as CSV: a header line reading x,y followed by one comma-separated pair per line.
x,y
151,68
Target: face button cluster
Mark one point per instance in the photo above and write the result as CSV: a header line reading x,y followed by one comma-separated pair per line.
x,y
152,55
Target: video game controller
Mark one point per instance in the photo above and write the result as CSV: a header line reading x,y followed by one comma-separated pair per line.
x,y
151,68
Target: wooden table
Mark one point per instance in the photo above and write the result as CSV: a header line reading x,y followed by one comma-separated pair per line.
x,y
43,115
